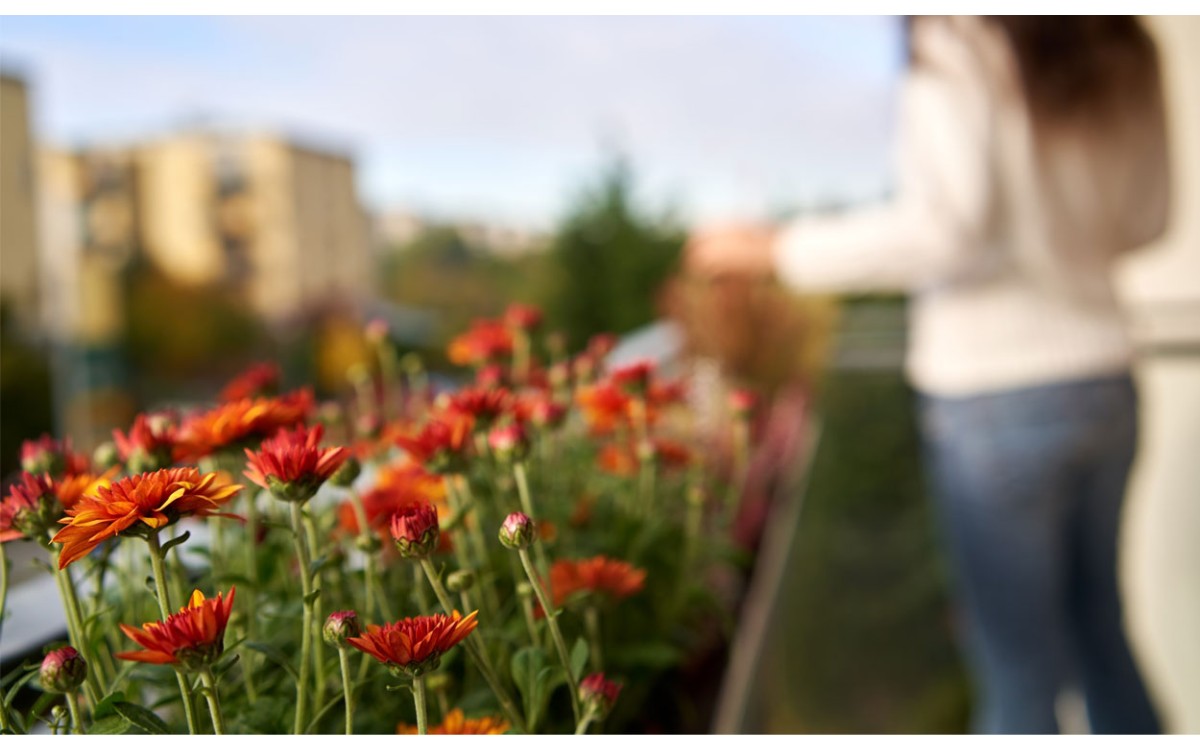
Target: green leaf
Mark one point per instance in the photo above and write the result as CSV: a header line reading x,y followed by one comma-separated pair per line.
x,y
312,725
276,656
110,725
175,543
16,688
141,718
107,706
579,657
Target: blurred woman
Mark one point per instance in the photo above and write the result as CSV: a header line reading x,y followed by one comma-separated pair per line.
x,y
1032,155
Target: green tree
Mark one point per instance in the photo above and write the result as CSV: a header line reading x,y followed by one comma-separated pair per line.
x,y
609,260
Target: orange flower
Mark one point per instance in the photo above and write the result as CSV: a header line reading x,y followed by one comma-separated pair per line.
x,y
261,379
193,638
456,723
414,645
241,422
292,465
485,341
604,407
137,504
35,503
615,579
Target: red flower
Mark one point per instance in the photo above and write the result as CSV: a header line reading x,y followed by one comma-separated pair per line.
x,y
633,379
261,379
398,487
150,444
442,444
138,503
484,405
415,645
662,393
524,317
615,579
29,510
293,465
415,530
193,638
54,457
486,341
241,422
604,407
541,409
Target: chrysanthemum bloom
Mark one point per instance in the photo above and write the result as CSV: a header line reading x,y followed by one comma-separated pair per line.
x,y
414,645
260,379
666,392
486,341
442,446
139,505
484,405
397,487
517,531
456,723
416,531
190,640
541,410
150,444
510,442
522,316
54,457
600,575
604,407
63,671
597,694
633,379
293,465
339,626
242,423
30,510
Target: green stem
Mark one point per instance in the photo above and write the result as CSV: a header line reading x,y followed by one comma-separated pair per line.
x,y
248,657
164,608
75,630
73,706
488,598
347,687
477,651
581,727
591,620
419,700
310,531
559,644
214,701
527,507
422,596
4,567
298,536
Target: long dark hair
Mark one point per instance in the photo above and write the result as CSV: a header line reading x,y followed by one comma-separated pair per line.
x,y
1075,69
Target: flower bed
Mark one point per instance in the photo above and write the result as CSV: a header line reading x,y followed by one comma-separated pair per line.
x,y
534,552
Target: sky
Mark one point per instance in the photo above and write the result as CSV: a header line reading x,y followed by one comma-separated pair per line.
x,y
500,119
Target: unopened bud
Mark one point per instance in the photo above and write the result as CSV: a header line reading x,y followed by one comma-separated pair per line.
x,y
416,531
63,670
346,473
517,531
106,455
460,580
339,626
597,694
509,443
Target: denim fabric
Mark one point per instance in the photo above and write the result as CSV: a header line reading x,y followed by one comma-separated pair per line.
x,y
1029,485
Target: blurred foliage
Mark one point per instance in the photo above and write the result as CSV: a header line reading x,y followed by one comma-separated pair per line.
x,y
610,261
183,339
865,624
25,398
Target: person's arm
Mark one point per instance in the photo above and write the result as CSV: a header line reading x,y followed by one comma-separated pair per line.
x,y
933,227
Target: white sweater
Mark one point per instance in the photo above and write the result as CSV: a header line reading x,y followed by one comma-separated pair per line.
x,y
1007,249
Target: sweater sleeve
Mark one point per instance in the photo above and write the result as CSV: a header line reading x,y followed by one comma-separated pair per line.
x,y
933,227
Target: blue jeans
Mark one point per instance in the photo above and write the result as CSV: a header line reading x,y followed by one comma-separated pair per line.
x,y
1029,485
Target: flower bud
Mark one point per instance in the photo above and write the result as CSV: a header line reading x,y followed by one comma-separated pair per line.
x,y
517,531
525,590
546,412
339,626
63,670
742,402
460,580
346,473
376,331
106,455
524,317
416,531
597,694
368,543
491,376
634,379
509,443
